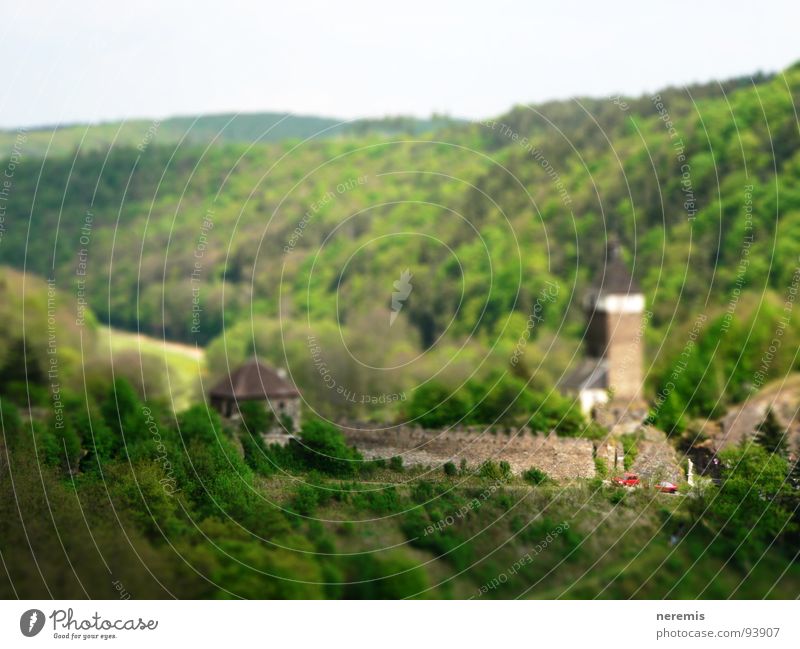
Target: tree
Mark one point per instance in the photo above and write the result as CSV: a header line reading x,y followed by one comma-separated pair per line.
x,y
771,435
10,423
22,375
749,510
121,405
199,422
434,406
22,365
98,439
669,415
503,401
256,418
64,445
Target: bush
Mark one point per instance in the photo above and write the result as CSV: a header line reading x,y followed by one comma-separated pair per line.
x,y
535,476
558,413
256,453
305,500
199,422
489,469
504,402
380,501
322,447
499,400
256,419
601,468
450,469
435,406
754,506
395,576
630,446
396,463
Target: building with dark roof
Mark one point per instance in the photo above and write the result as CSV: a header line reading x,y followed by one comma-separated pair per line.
x,y
254,381
612,366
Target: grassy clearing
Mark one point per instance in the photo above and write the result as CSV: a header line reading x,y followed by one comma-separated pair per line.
x,y
182,367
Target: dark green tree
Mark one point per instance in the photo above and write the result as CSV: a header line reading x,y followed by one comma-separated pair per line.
x,y
120,406
199,422
10,423
434,406
256,419
771,435
749,510
22,365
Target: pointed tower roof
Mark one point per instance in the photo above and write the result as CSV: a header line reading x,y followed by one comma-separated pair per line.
x,y
253,381
614,277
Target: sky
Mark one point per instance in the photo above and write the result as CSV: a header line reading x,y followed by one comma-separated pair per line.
x,y
88,61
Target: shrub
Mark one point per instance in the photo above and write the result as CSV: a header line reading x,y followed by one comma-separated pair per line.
x,y
630,446
434,406
601,468
755,504
395,576
256,419
396,463
535,476
380,501
199,422
450,469
617,496
499,400
558,413
490,469
505,500
256,453
322,447
305,500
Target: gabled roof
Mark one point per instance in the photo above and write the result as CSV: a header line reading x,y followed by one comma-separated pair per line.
x,y
588,374
253,381
614,277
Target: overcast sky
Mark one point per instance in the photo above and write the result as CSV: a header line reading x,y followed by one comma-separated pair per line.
x,y
101,60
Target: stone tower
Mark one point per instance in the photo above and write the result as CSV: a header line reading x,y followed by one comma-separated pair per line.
x,y
613,363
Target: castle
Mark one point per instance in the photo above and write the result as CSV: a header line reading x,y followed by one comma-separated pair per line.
x,y
611,374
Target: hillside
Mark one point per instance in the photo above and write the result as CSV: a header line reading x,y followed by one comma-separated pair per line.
x,y
230,128
295,239
430,273
284,524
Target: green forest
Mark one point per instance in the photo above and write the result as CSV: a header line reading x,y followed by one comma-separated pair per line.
x,y
277,236
276,242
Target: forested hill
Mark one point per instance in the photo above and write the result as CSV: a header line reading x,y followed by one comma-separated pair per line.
x,y
239,128
292,238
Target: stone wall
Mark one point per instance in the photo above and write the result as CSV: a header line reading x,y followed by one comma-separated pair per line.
x,y
559,457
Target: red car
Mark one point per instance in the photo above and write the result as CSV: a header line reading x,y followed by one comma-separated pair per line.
x,y
667,487
628,480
